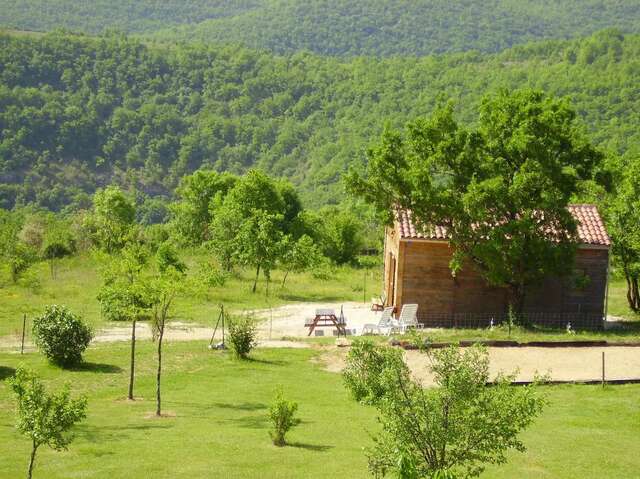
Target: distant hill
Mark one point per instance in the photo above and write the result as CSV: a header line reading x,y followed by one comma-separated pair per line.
x,y
80,112
335,27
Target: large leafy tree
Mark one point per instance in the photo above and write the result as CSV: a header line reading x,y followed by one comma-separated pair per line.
x,y
624,226
251,222
112,219
501,190
261,244
192,213
451,430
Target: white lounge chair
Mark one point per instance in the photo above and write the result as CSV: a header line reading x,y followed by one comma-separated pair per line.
x,y
408,319
383,325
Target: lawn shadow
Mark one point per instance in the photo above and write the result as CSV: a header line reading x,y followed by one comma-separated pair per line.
x,y
101,434
97,368
247,406
6,372
310,447
271,362
251,422
311,298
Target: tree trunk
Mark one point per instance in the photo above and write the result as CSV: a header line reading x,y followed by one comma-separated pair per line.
x,y
133,358
32,460
516,303
158,401
286,273
255,282
633,292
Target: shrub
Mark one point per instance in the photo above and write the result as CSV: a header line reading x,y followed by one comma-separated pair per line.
x,y
242,336
61,335
282,416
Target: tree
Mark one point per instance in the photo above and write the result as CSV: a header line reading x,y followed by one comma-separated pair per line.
x,y
123,294
451,430
341,233
164,286
112,219
282,416
624,217
260,244
17,254
299,256
501,191
192,213
57,244
250,224
43,417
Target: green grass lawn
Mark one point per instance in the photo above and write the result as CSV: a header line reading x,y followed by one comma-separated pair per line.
x,y
77,284
220,427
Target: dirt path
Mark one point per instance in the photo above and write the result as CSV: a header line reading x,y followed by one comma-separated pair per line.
x,y
284,327
560,364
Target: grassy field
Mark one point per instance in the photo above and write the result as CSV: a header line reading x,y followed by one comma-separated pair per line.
x,y
219,426
77,284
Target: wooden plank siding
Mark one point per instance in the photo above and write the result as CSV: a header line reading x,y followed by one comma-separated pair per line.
x,y
423,276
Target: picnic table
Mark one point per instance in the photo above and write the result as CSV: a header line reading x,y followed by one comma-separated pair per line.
x,y
327,317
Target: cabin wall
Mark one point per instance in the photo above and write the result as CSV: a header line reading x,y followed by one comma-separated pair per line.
x,y
427,281
423,276
566,296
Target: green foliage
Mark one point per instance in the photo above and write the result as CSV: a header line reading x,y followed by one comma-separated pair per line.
x,y
122,295
198,194
16,253
43,417
341,235
623,216
58,243
242,335
300,256
282,416
253,221
143,115
112,219
500,190
61,336
452,430
167,259
333,27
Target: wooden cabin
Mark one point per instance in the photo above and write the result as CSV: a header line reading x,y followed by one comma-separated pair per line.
x,y
416,270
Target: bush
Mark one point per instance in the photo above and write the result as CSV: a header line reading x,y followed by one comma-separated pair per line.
x,y
113,304
282,416
242,336
61,335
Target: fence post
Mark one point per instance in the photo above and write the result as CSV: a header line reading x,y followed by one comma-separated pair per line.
x,y
364,287
602,368
24,326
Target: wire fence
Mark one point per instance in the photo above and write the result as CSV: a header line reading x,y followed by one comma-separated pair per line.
x,y
574,321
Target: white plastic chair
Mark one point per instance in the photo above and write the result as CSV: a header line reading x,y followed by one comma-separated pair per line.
x,y
408,319
383,325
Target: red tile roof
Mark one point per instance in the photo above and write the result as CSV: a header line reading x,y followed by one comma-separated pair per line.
x,y
591,230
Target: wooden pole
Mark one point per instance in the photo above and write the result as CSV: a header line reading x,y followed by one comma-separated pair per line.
x,y
603,369
24,326
364,288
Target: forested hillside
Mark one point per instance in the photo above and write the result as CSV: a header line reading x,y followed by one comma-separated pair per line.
x,y
334,27
79,112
